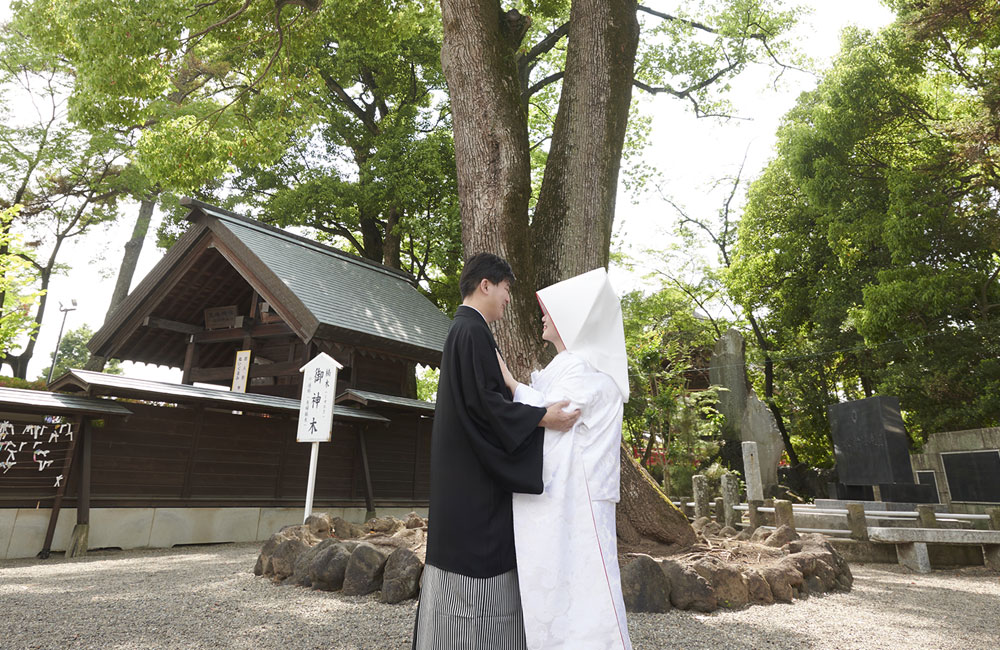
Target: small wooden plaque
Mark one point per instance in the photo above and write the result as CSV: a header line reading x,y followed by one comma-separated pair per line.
x,y
217,318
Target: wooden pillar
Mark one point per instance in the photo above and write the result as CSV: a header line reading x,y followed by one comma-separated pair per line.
x,y
81,532
369,495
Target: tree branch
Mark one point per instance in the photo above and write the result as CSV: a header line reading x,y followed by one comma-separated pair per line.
x,y
349,102
691,23
544,45
552,78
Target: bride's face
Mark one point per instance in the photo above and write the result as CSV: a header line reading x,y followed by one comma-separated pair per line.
x,y
549,332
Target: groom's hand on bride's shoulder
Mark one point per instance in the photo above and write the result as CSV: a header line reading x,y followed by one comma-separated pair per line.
x,y
558,419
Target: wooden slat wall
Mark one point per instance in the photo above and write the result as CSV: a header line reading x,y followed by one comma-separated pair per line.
x,y
379,375
177,457
26,482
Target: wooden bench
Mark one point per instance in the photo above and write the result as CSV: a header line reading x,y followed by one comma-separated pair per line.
x,y
911,543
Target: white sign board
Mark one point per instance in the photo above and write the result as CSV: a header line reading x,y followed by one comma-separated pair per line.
x,y
241,371
319,386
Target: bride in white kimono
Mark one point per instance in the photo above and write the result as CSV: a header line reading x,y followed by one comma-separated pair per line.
x,y
567,561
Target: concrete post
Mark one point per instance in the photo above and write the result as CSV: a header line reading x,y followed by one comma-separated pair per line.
x,y
699,483
720,505
685,508
730,499
994,514
856,521
783,514
751,469
755,515
926,517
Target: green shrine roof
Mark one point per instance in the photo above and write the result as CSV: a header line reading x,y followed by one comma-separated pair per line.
x,y
340,290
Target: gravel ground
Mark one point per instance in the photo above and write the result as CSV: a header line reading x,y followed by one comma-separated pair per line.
x,y
207,597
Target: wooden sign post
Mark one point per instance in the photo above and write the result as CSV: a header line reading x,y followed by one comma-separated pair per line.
x,y
319,387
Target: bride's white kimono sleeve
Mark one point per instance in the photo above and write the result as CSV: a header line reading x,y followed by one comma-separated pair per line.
x,y
565,537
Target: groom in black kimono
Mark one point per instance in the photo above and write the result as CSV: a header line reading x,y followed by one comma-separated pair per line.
x,y
484,446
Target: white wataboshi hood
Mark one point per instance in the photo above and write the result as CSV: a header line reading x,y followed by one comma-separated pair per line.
x,y
587,314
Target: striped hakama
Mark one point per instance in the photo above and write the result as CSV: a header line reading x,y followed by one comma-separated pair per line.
x,y
457,612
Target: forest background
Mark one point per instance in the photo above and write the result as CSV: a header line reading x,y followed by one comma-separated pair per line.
x,y
849,273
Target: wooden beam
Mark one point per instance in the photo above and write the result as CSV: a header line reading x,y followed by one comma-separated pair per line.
x,y
172,325
369,495
256,370
60,491
190,356
83,497
237,333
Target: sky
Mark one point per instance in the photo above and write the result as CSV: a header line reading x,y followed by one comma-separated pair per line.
x,y
688,153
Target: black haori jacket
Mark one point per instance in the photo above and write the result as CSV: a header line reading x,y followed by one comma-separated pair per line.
x,y
483,447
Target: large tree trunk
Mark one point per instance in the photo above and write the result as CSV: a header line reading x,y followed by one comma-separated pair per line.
x,y
644,512
133,247
492,156
571,230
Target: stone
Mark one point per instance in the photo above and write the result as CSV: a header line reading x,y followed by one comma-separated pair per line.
x,y
869,442
319,525
782,579
401,578
751,471
758,425
727,582
760,535
973,475
284,557
728,369
699,483
730,499
728,531
711,528
700,523
329,566
413,520
780,537
384,525
346,530
301,575
364,570
264,561
784,514
645,587
688,590
758,591
857,522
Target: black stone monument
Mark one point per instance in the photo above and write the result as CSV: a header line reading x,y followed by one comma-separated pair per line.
x,y
870,445
973,476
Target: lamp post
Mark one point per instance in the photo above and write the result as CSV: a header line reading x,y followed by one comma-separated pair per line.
x,y
55,355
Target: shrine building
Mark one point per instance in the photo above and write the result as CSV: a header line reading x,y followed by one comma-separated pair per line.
x,y
157,464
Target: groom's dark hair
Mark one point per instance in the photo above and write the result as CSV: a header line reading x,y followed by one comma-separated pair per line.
x,y
483,265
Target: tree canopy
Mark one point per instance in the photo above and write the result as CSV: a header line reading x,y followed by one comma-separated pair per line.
x,y
870,243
